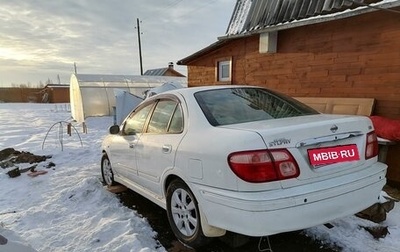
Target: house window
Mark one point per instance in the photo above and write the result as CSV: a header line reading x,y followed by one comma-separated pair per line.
x,y
224,70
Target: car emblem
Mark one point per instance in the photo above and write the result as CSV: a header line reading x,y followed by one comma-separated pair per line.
x,y
334,128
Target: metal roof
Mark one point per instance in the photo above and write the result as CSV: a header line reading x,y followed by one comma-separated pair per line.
x,y
123,80
252,15
156,72
166,71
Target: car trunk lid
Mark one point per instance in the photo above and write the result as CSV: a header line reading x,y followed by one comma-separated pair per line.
x,y
324,146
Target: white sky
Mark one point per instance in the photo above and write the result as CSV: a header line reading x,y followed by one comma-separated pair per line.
x,y
41,39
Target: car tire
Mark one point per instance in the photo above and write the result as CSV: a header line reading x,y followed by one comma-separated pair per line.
x,y
184,216
106,171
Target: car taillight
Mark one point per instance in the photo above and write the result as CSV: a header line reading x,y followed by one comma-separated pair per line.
x,y
371,150
263,165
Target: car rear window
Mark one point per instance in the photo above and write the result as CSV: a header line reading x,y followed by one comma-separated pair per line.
x,y
240,105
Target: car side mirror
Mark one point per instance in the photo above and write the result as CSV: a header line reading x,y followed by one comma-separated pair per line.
x,y
114,129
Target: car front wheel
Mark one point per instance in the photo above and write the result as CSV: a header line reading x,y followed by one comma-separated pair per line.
x,y
183,215
106,171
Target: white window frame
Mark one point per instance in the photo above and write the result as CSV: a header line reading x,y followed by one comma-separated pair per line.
x,y
221,65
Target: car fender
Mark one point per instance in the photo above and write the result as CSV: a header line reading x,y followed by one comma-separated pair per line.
x,y
166,175
208,230
180,174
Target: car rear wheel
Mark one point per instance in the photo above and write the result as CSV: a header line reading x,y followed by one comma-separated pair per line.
x,y
183,215
106,171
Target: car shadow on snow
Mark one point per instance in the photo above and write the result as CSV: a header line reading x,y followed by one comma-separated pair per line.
x,y
157,218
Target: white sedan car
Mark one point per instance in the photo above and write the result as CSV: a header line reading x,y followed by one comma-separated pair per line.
x,y
243,159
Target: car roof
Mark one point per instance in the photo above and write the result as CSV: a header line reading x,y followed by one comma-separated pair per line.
x,y
192,90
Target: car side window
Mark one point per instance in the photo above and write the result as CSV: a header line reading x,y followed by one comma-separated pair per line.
x,y
135,123
165,118
176,125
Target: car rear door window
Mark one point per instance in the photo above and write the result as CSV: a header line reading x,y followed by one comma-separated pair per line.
x,y
240,105
176,125
167,117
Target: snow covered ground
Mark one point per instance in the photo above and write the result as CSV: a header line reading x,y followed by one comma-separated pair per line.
x,y
68,209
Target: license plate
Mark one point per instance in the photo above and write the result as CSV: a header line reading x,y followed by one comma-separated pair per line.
x,y
331,155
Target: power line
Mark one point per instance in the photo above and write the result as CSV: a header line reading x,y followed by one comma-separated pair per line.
x,y
197,9
174,4
167,7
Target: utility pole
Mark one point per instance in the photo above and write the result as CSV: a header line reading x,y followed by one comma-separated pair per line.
x,y
140,46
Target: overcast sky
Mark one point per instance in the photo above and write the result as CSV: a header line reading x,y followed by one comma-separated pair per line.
x,y
40,39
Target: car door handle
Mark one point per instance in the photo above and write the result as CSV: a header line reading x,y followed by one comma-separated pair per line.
x,y
166,148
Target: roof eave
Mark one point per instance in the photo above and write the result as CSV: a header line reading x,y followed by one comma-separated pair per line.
x,y
313,20
201,52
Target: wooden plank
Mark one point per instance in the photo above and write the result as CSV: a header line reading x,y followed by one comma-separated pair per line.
x,y
116,188
339,105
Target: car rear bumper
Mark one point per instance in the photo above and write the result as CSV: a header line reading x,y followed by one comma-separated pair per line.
x,y
289,209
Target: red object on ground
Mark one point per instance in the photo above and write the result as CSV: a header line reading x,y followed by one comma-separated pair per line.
x,y
386,128
36,173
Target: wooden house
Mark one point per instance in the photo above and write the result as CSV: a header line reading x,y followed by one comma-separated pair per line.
x,y
311,48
